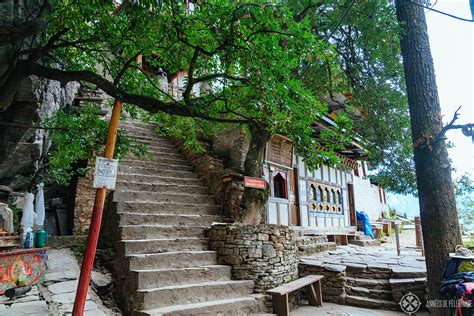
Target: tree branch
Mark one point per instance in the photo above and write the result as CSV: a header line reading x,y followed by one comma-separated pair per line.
x,y
447,126
147,103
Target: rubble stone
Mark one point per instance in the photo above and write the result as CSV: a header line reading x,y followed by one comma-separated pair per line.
x,y
264,253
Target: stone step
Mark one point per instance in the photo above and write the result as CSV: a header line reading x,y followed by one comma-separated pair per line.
x,y
376,284
307,250
370,293
165,170
161,187
367,302
193,293
155,161
239,306
168,208
137,126
400,272
365,242
150,279
134,232
159,146
156,179
143,246
156,142
182,172
151,154
167,219
133,196
143,133
310,240
170,260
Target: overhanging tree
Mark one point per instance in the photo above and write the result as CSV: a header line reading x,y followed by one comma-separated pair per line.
x,y
267,65
439,218
245,52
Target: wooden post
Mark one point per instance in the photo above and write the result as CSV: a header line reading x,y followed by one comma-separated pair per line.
x,y
397,238
418,231
96,220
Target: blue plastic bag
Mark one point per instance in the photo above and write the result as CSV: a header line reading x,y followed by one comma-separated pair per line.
x,y
362,216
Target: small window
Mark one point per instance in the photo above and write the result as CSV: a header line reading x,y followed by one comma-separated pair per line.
x,y
339,198
327,195
356,170
279,187
312,193
319,193
334,198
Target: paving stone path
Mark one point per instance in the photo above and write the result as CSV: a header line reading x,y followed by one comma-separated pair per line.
x,y
55,296
380,256
372,277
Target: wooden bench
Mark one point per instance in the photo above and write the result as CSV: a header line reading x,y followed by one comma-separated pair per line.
x,y
280,294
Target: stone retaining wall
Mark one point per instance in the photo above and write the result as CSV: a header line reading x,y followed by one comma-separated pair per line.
x,y
84,203
366,285
212,170
264,253
334,282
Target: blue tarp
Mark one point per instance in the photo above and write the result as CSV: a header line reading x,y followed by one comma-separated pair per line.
x,y
362,216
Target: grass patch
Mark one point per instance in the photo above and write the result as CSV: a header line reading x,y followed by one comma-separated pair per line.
x,y
469,243
79,247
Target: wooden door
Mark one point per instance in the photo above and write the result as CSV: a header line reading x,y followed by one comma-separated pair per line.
x,y
295,211
352,211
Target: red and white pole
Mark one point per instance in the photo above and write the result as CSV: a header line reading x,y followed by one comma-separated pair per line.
x,y
94,229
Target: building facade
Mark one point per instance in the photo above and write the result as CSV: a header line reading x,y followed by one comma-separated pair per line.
x,y
324,198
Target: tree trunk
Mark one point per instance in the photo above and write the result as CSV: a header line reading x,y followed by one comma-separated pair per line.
x,y
439,218
254,200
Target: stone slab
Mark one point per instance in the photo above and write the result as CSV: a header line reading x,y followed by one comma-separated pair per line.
x,y
65,298
101,279
335,268
89,306
407,272
63,287
61,276
29,308
62,260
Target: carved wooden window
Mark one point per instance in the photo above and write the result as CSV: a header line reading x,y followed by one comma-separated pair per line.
x,y
280,151
325,198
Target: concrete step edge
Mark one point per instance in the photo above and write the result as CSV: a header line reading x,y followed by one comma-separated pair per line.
x,y
213,266
204,305
170,253
205,284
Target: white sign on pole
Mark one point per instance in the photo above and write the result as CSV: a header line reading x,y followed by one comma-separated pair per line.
x,y
105,173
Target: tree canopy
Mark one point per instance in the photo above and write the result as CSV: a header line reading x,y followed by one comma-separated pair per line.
x,y
259,64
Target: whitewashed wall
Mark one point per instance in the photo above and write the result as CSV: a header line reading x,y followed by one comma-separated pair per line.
x,y
367,196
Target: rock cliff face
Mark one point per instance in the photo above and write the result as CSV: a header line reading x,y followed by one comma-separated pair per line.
x,y
35,100
21,147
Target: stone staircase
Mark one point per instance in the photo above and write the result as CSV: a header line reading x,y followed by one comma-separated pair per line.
x,y
160,211
310,243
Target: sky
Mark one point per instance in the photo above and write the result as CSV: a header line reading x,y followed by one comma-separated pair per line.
x,y
452,47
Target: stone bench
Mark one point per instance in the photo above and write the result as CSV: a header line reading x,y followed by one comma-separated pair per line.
x,y
280,294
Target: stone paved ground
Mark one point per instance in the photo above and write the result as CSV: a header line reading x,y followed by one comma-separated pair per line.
x,y
371,256
386,255
330,309
55,296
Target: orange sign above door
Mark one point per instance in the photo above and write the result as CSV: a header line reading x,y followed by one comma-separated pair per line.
x,y
256,183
